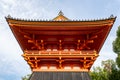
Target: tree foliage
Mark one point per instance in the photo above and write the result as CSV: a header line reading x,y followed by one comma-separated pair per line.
x,y
116,43
26,77
118,60
98,74
116,47
115,74
103,73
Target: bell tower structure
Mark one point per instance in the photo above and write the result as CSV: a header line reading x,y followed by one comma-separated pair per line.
x,y
61,48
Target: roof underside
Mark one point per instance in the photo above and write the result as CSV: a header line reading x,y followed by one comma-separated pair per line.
x,y
69,32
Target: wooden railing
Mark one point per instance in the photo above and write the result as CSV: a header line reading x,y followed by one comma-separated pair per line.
x,y
34,52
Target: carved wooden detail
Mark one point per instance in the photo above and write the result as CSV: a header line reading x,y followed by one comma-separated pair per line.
x,y
37,59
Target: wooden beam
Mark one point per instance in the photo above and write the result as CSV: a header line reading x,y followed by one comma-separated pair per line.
x,y
78,45
60,44
33,41
42,44
94,37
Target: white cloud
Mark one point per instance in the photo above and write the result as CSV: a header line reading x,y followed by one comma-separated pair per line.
x,y
11,60
12,63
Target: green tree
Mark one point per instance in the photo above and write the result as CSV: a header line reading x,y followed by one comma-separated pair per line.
x,y
115,74
116,47
26,77
103,72
108,65
98,74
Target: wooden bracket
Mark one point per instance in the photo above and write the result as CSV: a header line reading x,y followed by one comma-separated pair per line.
x,y
33,41
60,62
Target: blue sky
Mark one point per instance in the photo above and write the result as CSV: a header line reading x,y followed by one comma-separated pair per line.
x,y
12,64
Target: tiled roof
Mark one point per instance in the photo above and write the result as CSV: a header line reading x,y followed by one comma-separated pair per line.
x,y
60,18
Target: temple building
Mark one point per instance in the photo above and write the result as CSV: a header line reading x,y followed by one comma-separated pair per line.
x,y
61,48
